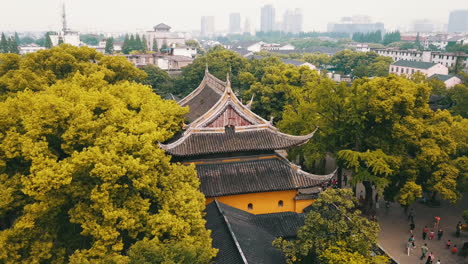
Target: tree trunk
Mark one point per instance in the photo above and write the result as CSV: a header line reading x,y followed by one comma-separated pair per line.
x,y
433,196
368,199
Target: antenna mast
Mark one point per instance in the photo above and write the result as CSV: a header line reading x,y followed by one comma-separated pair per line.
x,y
64,18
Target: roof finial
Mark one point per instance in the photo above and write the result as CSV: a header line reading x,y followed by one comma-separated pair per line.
x,y
249,105
206,68
228,81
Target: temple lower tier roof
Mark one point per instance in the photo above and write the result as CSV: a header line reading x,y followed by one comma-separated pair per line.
x,y
218,141
253,174
244,237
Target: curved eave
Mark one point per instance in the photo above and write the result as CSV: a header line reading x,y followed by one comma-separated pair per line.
x,y
317,177
287,141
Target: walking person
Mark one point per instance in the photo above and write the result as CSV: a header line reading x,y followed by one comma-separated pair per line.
x,y
411,215
409,245
440,233
429,259
425,231
438,261
448,243
412,227
424,250
457,232
431,234
411,239
345,179
437,221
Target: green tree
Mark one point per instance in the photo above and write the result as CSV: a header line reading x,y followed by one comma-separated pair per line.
x,y
318,59
48,42
219,60
39,69
155,45
158,79
164,47
13,46
17,39
389,121
332,222
138,44
109,49
126,45
417,42
391,37
82,179
4,48
90,39
144,44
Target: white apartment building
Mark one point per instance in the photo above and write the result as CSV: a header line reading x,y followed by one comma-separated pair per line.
x,y
445,58
409,68
30,48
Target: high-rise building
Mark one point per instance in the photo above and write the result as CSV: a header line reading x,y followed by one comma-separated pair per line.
x,y
234,23
355,24
292,21
247,26
458,21
267,22
207,26
423,26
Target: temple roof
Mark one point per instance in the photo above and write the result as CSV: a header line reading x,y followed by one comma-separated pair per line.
x,y
242,237
253,174
247,138
204,96
226,125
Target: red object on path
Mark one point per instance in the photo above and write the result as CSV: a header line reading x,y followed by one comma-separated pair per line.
x,y
454,249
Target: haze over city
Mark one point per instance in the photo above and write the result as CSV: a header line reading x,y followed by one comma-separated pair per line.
x,y
184,15
234,131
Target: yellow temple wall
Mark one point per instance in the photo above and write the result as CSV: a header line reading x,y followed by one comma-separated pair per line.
x,y
265,202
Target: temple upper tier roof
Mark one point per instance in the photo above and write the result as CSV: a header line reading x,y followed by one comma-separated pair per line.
x,y
252,174
246,138
204,96
227,126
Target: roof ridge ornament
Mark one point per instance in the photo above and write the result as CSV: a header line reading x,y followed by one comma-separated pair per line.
x,y
249,105
228,81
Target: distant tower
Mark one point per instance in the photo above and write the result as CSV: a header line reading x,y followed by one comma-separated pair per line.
x,y
267,20
458,21
207,26
247,26
234,23
64,18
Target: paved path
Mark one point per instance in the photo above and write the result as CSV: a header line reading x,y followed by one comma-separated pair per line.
x,y
394,231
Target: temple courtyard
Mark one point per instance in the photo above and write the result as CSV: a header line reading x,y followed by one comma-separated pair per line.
x,y
395,232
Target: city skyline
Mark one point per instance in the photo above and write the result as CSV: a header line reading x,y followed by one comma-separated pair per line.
x,y
46,14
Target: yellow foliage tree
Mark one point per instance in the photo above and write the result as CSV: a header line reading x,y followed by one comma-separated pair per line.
x,y
82,179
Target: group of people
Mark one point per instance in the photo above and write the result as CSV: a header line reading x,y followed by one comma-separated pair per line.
x,y
430,235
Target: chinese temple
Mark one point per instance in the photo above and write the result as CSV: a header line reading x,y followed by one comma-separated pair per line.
x,y
237,154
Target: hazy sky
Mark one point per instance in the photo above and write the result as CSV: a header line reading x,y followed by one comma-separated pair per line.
x,y
184,15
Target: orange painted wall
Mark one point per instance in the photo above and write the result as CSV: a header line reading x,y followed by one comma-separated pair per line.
x,y
266,202
301,204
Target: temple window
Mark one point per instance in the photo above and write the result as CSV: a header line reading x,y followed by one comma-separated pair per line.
x,y
280,203
250,206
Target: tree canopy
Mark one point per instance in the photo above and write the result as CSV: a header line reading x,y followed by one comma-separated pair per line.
x,y
82,178
334,232
385,132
